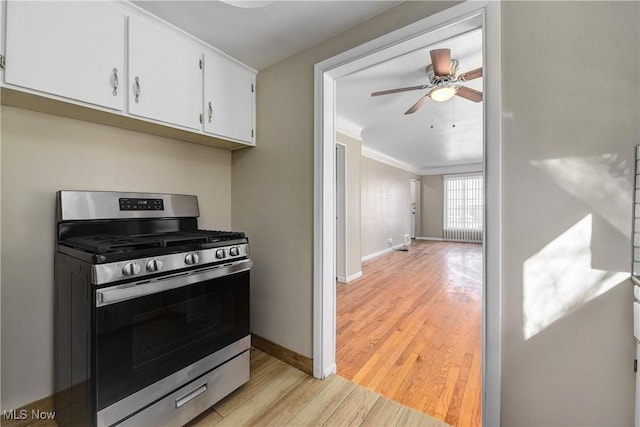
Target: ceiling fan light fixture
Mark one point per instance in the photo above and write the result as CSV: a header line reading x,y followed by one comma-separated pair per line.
x,y
443,93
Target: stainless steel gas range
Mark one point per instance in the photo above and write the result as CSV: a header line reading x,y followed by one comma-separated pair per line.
x,y
151,313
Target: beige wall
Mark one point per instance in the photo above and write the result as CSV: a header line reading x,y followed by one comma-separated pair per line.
x,y
272,184
576,372
568,165
353,154
432,206
386,202
42,154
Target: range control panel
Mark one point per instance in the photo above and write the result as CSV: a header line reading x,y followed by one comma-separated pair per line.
x,y
127,204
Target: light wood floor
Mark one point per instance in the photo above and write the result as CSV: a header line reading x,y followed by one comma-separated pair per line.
x,y
281,395
410,329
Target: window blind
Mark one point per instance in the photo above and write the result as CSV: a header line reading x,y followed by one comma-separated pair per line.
x,y
463,207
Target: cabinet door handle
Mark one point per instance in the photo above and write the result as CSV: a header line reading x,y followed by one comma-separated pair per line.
x,y
137,91
210,112
115,82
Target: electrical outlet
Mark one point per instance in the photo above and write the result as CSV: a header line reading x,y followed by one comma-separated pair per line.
x,y
390,240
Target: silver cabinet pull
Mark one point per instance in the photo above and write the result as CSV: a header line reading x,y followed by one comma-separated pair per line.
x,y
210,112
115,82
190,396
137,92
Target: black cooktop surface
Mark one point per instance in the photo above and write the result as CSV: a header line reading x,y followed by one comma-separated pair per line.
x,y
110,248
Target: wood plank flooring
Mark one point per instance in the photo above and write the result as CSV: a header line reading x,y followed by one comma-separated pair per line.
x,y
410,329
281,395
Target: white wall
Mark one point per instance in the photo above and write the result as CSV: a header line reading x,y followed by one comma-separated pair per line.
x,y
571,117
386,205
42,154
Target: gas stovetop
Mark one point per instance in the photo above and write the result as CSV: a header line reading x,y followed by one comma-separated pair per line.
x,y
114,244
111,248
134,236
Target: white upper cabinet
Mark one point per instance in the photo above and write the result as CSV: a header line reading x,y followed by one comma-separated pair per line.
x,y
71,49
165,79
114,57
228,98
2,21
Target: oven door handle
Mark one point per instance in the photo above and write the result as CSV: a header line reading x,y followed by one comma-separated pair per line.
x,y
120,293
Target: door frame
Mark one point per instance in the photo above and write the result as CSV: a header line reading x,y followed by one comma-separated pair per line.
x,y
341,213
414,188
401,41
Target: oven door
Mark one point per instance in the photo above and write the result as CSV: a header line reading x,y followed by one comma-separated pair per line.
x,y
145,331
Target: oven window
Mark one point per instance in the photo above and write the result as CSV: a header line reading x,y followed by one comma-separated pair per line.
x,y
143,340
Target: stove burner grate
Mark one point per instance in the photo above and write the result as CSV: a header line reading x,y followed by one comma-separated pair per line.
x,y
103,244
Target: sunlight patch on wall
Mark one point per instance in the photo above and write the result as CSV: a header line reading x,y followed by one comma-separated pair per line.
x,y
559,278
602,182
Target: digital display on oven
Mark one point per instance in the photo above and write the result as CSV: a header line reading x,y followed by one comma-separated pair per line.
x,y
141,204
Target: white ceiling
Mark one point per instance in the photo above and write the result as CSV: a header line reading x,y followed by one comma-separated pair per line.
x,y
439,134
421,142
263,36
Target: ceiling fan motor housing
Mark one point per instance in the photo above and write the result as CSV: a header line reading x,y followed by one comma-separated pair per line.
x,y
431,75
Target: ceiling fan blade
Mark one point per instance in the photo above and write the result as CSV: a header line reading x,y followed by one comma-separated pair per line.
x,y
441,61
470,75
402,89
470,94
415,107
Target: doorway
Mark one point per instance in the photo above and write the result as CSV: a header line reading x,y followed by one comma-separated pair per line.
x,y
393,44
413,208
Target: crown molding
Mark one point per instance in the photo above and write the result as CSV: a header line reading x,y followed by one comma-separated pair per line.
x,y
465,168
391,161
348,128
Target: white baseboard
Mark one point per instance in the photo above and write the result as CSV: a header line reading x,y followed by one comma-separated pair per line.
x,y
437,239
376,254
382,252
354,276
348,279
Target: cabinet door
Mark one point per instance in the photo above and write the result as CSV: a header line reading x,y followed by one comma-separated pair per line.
x,y
72,49
165,78
228,98
2,24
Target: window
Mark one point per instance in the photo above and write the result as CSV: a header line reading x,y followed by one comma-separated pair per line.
x,y
463,204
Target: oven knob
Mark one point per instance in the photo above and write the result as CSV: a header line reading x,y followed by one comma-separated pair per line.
x,y
220,254
154,265
192,258
234,251
131,268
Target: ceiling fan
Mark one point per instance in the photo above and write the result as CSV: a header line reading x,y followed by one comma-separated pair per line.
x,y
444,81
